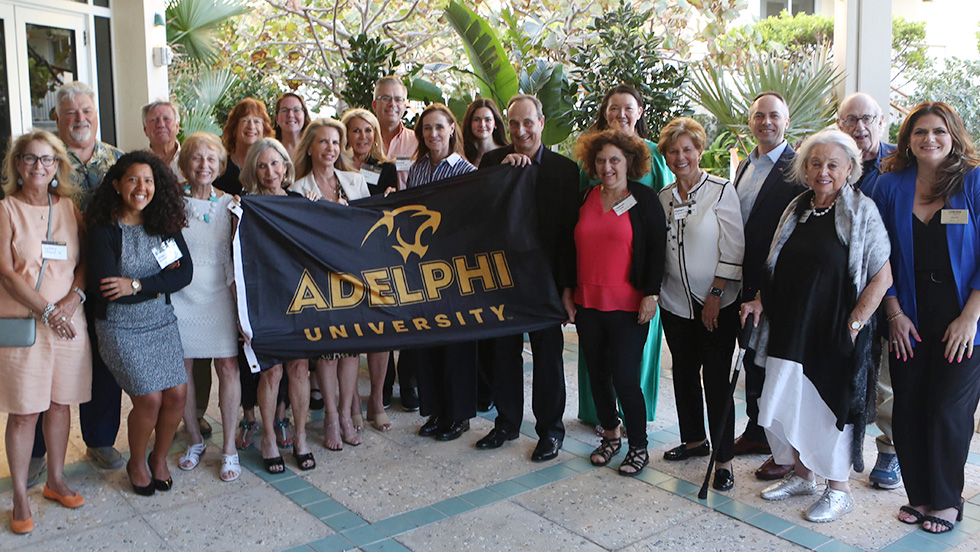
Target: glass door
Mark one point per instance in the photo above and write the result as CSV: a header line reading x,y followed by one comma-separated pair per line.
x,y
42,51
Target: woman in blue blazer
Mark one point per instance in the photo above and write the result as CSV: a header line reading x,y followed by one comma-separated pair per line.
x,y
930,203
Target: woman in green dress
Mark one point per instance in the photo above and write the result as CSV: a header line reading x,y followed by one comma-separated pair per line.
x,y
622,109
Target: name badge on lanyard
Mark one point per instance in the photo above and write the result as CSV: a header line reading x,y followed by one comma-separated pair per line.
x,y
684,210
166,253
403,163
54,250
371,173
624,205
954,216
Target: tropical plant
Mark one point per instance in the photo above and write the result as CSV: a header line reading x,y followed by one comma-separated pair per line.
x,y
956,84
627,53
807,87
369,59
191,25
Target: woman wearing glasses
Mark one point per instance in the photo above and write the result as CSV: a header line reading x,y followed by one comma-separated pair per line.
x,y
292,118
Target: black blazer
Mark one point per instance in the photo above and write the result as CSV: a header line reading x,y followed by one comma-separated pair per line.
x,y
104,249
556,195
649,223
776,193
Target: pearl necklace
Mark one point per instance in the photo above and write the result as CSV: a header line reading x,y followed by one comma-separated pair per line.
x,y
826,210
212,206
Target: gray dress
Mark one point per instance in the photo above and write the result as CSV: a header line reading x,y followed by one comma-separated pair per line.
x,y
140,342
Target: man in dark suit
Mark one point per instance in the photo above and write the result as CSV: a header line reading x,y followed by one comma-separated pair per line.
x,y
764,189
556,196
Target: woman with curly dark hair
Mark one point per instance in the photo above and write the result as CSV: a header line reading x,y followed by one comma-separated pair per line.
x,y
137,258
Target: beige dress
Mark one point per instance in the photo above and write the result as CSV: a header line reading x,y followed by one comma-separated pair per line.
x,y
53,369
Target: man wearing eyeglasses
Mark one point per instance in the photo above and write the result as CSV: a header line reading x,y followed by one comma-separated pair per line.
x,y
390,101
161,122
860,116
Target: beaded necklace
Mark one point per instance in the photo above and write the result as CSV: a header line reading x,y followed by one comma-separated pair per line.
x,y
212,205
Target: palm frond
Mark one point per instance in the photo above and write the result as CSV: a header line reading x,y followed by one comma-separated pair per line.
x,y
191,23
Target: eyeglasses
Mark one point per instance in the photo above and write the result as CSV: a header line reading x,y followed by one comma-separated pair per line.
x,y
386,99
850,121
287,110
30,159
245,121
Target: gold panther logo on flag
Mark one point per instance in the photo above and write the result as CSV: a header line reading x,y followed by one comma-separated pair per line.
x,y
431,222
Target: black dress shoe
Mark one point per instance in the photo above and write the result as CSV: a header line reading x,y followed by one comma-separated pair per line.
x,y
386,397
430,427
681,452
496,438
484,406
453,431
724,480
546,449
410,399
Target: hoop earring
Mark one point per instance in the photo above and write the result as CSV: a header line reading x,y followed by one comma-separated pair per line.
x,y
908,152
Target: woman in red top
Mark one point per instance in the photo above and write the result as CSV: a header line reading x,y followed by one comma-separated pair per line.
x,y
620,239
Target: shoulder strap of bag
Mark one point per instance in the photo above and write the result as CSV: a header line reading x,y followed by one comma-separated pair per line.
x,y
44,263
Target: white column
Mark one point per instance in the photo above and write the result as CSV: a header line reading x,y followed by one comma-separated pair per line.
x,y
137,80
863,47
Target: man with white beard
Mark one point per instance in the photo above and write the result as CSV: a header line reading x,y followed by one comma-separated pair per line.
x,y
78,123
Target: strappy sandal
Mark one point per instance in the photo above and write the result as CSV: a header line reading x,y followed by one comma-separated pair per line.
x,y
305,462
284,439
606,450
230,464
192,457
246,434
636,459
937,522
917,516
380,421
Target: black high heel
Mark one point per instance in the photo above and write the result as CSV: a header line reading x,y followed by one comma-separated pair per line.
x,y
146,490
940,522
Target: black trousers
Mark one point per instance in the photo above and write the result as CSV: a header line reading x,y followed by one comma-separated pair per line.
x,y
695,350
406,374
932,420
484,371
446,379
98,418
612,345
547,388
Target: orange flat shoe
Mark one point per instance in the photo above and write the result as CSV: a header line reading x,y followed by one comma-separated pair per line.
x,y
67,501
21,527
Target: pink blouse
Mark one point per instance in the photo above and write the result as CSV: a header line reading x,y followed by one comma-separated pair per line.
x,y
604,256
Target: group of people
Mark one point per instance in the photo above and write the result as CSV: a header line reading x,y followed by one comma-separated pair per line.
x,y
125,262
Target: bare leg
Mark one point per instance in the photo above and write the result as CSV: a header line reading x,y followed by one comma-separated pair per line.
x,y
141,421
190,408
326,374
171,409
299,400
19,440
57,424
377,368
229,399
802,470
347,378
268,392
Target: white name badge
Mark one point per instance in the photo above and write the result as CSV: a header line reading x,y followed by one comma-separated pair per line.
x,y
403,163
371,174
684,210
624,205
54,251
954,216
166,253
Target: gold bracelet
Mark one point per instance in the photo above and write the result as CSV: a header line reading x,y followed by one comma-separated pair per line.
x,y
894,316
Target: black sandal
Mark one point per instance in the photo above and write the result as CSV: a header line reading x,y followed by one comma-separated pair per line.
x,y
947,525
606,450
305,462
275,465
636,459
917,516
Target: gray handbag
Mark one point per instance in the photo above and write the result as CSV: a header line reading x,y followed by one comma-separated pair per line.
x,y
19,332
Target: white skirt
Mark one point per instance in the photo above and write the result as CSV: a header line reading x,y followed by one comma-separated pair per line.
x,y
795,417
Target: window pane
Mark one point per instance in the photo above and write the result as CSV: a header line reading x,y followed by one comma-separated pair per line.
x,y
51,63
5,129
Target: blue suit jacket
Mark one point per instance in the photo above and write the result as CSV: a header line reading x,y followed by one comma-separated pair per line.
x,y
894,195
869,180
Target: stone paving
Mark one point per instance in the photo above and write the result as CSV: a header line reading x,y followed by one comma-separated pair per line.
x,y
398,491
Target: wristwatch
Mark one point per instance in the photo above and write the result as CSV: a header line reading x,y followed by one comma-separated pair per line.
x,y
716,291
856,325
136,287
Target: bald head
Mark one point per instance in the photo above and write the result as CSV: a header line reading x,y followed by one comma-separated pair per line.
x,y
860,116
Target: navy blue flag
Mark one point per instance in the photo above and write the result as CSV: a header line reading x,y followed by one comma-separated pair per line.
x,y
456,260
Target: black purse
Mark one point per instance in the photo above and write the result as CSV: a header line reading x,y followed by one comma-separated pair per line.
x,y
20,332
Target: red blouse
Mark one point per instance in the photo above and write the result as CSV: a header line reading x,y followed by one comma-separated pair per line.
x,y
604,256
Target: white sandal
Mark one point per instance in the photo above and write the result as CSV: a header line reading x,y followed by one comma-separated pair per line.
x,y
229,463
193,455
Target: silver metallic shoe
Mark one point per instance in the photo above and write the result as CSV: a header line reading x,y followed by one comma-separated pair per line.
x,y
793,485
831,506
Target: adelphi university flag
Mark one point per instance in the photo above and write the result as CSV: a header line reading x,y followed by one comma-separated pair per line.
x,y
456,260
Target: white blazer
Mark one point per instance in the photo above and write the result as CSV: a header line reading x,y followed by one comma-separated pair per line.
x,y
353,183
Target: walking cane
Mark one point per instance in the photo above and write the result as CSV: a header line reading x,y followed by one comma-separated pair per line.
x,y
743,343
